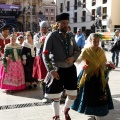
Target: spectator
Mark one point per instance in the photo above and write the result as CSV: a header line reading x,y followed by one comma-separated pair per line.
x,y
80,38
115,53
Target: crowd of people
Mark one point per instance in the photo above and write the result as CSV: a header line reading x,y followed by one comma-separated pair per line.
x,y
49,57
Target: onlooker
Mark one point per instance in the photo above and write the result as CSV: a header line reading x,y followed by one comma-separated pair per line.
x,y
69,31
115,54
80,38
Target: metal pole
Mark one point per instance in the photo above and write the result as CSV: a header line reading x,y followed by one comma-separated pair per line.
x,y
31,15
25,21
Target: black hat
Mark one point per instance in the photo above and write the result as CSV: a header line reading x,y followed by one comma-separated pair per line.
x,y
63,16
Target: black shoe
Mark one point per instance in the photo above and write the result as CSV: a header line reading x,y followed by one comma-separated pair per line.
x,y
11,92
35,85
29,87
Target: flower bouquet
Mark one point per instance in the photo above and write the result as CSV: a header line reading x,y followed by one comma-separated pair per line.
x,y
42,39
4,62
109,66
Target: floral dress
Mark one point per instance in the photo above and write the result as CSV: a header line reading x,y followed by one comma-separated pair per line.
x,y
12,71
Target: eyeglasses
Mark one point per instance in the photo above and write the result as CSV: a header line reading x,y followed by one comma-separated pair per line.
x,y
45,28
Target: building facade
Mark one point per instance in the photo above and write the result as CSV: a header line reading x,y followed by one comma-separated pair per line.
x,y
87,14
32,12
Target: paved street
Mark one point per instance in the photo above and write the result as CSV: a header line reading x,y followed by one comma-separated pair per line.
x,y
26,105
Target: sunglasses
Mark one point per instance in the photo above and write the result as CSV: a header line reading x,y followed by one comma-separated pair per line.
x,y
44,28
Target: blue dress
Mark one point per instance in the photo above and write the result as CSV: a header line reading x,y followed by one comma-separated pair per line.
x,y
91,100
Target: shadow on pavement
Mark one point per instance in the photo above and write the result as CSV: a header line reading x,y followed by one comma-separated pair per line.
x,y
35,93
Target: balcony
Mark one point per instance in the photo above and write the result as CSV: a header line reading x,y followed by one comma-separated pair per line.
x,y
17,2
3,1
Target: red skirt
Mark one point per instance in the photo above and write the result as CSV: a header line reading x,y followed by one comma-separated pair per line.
x,y
39,69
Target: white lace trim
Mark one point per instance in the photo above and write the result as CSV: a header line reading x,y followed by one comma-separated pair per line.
x,y
25,44
15,54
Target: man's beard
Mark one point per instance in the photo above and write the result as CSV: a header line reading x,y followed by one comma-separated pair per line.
x,y
63,30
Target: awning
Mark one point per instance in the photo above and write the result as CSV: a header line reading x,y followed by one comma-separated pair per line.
x,y
8,6
106,35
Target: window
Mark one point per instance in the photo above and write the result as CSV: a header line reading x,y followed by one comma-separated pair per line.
x,y
61,7
52,18
93,2
93,15
75,4
116,27
68,5
98,11
104,16
92,29
46,18
104,28
52,10
75,30
46,10
84,3
84,29
75,17
83,18
34,10
104,1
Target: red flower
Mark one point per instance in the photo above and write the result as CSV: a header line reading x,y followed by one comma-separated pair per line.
x,y
110,65
84,67
42,39
45,52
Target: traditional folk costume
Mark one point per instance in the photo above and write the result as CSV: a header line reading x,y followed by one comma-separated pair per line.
x,y
94,97
57,48
12,72
3,42
39,69
60,52
28,54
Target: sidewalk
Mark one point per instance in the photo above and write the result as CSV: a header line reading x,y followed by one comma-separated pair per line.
x,y
27,105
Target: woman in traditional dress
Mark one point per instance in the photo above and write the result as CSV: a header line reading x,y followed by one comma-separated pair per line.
x,y
39,69
28,55
94,97
12,72
20,39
